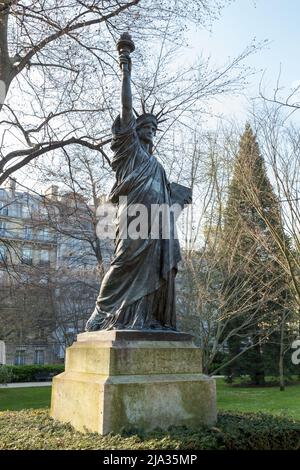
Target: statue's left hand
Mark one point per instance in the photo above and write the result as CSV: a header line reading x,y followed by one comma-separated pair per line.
x,y
188,200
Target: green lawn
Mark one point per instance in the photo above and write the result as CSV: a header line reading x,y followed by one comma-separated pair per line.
x,y
24,398
264,399
267,400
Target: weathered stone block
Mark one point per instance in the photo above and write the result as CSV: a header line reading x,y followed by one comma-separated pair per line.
x,y
121,380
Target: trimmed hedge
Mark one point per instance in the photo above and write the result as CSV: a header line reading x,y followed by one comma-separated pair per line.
x,y
258,431
33,373
5,374
34,429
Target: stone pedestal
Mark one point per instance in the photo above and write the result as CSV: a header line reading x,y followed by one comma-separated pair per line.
x,y
120,380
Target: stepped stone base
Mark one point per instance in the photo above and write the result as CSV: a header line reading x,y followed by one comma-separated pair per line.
x,y
120,380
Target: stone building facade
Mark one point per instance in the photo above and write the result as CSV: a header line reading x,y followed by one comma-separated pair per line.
x,y
49,272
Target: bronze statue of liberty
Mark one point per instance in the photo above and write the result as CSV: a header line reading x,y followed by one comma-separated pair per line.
x,y
138,291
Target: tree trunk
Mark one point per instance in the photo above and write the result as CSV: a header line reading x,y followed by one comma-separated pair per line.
x,y
281,355
258,373
5,64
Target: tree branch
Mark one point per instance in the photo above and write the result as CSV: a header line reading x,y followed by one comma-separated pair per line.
x,y
5,64
68,29
31,154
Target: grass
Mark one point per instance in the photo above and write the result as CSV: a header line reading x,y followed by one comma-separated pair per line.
x,y
264,399
24,398
237,399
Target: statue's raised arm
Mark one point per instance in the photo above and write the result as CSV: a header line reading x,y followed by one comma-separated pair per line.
x,y
125,46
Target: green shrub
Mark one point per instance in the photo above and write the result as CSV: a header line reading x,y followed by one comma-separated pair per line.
x,y
33,373
5,374
34,429
216,365
258,431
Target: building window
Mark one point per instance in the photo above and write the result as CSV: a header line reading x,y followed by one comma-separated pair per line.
x,y
18,210
45,257
20,357
2,227
39,356
25,211
12,210
26,256
3,208
27,233
3,254
45,234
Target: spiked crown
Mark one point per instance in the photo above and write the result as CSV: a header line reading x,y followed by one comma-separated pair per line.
x,y
146,118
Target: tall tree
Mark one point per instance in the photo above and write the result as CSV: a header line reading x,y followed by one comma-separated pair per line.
x,y
254,278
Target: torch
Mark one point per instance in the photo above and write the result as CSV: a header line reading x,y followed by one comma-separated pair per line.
x,y
125,44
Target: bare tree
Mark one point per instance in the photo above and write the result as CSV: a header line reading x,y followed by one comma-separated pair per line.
x,y
282,98
59,71
48,298
280,143
216,296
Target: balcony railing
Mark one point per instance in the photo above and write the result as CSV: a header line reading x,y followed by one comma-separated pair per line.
x,y
26,260
44,262
12,234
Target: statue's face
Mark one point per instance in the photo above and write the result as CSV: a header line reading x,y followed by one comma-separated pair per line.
x,y
147,133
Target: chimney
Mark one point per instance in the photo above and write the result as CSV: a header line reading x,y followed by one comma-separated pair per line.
x,y
52,192
101,199
10,185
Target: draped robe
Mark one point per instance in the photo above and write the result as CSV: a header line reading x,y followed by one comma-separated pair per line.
x,y
137,291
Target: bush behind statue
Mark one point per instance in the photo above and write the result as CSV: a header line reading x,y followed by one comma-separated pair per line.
x,y
5,374
33,373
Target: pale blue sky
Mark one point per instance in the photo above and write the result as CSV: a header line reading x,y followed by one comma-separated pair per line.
x,y
275,20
